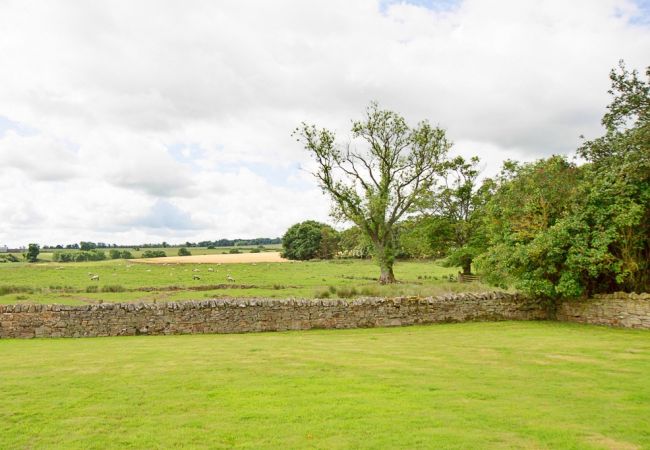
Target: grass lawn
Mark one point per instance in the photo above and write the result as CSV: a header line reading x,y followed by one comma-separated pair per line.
x,y
472,385
119,280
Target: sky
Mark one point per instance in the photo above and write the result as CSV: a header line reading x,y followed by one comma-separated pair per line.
x,y
146,121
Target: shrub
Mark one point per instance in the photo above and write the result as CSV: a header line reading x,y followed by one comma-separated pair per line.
x,y
32,252
234,251
322,294
113,288
154,254
309,240
92,255
4,290
92,288
255,250
184,252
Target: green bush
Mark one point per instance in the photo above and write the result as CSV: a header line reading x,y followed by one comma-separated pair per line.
x,y
234,251
154,254
184,252
113,288
92,255
310,240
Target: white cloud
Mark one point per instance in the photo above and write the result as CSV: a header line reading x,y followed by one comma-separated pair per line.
x,y
138,104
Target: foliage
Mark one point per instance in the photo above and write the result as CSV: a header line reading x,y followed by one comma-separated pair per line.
x,y
154,254
79,256
530,200
379,176
32,252
86,246
120,254
310,239
353,243
8,257
451,224
559,230
184,252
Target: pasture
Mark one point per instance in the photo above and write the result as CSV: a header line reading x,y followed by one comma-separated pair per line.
x,y
47,254
129,280
471,385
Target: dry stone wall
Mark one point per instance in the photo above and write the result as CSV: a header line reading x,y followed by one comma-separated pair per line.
x,y
617,310
248,315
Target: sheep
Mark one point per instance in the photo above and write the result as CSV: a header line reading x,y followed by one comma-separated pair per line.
x,y
196,277
195,270
210,269
230,279
94,278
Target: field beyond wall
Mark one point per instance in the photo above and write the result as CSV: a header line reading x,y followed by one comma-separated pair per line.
x,y
135,281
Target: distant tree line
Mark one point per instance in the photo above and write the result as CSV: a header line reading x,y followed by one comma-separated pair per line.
x,y
88,245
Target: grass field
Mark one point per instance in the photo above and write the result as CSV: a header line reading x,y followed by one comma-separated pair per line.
x,y
472,385
46,255
126,280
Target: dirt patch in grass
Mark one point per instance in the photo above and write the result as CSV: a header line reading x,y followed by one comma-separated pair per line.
x,y
218,259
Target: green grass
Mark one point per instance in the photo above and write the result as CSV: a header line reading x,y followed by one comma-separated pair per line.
x,y
473,385
46,255
119,280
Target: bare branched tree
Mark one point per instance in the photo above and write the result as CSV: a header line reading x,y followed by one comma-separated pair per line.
x,y
380,175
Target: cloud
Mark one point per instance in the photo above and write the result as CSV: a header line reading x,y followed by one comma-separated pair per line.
x,y
40,158
116,106
163,214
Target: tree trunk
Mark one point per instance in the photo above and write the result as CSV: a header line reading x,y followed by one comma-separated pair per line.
x,y
385,259
467,267
387,276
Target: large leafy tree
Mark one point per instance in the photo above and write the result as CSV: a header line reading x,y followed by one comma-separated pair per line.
x,y
457,210
560,230
32,252
378,177
310,239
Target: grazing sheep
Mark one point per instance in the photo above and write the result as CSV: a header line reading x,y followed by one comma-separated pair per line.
x,y
94,278
195,270
196,277
210,269
230,279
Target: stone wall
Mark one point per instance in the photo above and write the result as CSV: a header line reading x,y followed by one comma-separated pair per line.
x,y
618,310
247,315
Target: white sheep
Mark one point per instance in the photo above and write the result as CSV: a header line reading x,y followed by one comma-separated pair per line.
x,y
94,278
230,279
196,277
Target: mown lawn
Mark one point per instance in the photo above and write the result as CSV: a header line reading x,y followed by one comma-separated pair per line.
x,y
69,283
473,385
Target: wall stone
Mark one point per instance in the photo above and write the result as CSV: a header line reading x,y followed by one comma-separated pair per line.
x,y
249,315
618,310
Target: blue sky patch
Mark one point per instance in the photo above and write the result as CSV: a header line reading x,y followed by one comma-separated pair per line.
x,y
434,5
7,124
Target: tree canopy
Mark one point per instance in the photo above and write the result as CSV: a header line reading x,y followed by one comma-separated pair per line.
x,y
310,239
557,229
379,175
